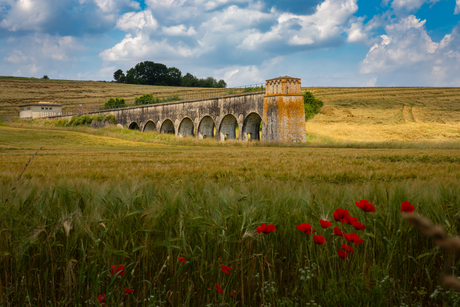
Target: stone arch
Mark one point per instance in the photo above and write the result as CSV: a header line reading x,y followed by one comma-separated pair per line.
x,y
134,126
251,127
167,127
186,127
227,129
206,128
150,126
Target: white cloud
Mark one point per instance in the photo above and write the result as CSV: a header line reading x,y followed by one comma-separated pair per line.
x,y
457,7
370,83
407,48
136,22
26,15
410,5
180,30
324,26
113,6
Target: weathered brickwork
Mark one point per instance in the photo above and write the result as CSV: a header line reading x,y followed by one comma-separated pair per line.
x,y
283,111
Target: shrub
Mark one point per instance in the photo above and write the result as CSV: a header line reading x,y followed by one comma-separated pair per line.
x,y
311,105
115,103
144,99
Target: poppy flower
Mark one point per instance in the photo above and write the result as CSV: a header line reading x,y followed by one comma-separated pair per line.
x,y
219,289
347,248
226,269
118,270
358,225
353,237
342,254
305,227
349,220
325,224
182,259
266,228
407,207
233,293
365,205
340,214
319,239
128,291
101,299
338,232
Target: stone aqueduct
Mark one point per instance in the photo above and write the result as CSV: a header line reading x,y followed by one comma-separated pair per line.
x,y
280,109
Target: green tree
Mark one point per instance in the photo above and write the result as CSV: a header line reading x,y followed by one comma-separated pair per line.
x,y
45,77
311,104
119,76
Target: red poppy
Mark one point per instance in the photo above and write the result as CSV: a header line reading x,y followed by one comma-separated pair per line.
x,y
347,248
128,291
266,228
349,220
407,207
319,239
182,259
305,227
340,214
325,224
233,293
338,232
365,205
101,299
226,269
354,238
118,270
219,289
358,225
342,254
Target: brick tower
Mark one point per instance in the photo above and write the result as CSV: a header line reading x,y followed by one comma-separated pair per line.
x,y
283,114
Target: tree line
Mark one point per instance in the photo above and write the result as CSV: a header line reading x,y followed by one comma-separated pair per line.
x,y
152,73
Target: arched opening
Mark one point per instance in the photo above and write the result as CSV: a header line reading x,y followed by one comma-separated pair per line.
x,y
186,127
150,126
252,127
134,126
228,128
206,128
167,127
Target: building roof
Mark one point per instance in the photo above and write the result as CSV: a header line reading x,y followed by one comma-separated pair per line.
x,y
41,103
285,77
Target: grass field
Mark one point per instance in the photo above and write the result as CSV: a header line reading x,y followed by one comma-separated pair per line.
x,y
92,199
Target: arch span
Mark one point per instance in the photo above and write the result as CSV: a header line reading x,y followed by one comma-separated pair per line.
x,y
186,127
251,127
206,128
167,127
150,126
227,129
134,126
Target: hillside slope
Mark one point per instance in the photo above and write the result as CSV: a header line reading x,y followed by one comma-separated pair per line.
x,y
387,114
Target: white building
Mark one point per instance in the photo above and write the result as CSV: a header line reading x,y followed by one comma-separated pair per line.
x,y
39,109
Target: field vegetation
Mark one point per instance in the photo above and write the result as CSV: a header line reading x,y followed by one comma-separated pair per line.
x,y
94,199
117,217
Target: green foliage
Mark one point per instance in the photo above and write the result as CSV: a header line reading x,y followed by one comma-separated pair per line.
x,y
152,73
144,99
45,77
114,103
311,104
253,89
82,120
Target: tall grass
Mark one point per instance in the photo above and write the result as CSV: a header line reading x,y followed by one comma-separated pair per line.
x,y
58,244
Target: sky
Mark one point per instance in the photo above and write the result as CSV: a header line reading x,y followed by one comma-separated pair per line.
x,y
323,42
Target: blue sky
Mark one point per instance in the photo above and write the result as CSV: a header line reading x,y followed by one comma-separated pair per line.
x,y
323,42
